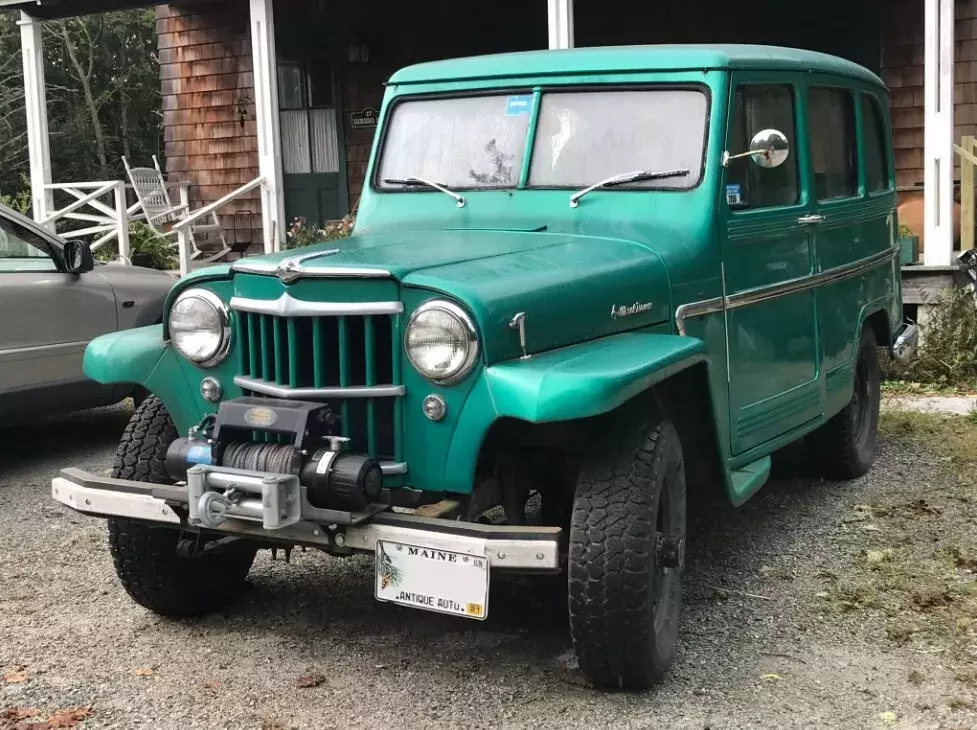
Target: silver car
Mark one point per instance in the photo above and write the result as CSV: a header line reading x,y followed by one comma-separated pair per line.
x,y
54,299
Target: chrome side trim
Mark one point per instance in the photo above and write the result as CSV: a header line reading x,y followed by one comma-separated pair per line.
x,y
297,271
773,291
288,306
283,391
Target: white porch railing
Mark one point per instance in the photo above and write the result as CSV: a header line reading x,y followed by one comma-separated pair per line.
x,y
108,221
182,227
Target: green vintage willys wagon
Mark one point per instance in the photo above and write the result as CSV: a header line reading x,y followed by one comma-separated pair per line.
x,y
593,282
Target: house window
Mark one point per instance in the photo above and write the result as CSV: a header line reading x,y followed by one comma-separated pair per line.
x,y
309,137
832,122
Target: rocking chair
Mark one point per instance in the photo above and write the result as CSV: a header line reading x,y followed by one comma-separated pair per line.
x,y
154,198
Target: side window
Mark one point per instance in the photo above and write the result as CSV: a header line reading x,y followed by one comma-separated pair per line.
x,y
23,250
749,186
876,153
831,118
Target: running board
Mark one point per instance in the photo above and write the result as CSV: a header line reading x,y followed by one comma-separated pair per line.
x,y
748,479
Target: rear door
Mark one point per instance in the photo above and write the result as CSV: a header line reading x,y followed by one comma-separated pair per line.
x,y
772,336
47,317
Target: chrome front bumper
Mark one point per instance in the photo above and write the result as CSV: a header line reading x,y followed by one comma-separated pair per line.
x,y
509,548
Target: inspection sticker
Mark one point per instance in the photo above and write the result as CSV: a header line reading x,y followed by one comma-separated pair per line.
x,y
517,105
733,195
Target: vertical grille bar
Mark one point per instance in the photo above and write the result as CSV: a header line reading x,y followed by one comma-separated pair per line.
x,y
371,379
293,354
344,372
317,366
243,343
397,379
254,349
278,360
266,352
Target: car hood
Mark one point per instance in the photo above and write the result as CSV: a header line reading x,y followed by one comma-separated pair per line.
x,y
571,288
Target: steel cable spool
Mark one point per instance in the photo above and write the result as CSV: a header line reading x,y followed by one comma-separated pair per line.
x,y
252,456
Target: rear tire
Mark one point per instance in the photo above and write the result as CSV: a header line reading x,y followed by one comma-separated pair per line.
x,y
844,447
145,556
624,605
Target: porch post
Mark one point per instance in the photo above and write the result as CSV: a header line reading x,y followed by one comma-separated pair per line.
x,y
266,111
560,14
35,104
938,133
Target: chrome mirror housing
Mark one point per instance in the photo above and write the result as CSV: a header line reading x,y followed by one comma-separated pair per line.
x,y
769,148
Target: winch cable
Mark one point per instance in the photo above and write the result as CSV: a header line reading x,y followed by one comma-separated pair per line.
x,y
273,458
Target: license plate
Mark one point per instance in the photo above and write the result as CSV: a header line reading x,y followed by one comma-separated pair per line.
x,y
431,579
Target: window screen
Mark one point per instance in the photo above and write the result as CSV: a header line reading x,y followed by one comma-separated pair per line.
x,y
831,114
748,185
876,153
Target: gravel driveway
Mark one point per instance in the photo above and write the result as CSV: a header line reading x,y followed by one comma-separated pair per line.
x,y
764,643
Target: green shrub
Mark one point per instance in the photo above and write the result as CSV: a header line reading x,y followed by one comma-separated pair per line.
x,y
947,353
21,200
146,248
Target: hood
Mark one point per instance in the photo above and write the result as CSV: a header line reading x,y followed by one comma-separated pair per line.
x,y
571,288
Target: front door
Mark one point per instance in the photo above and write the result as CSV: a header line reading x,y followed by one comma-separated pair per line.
x,y
773,348
313,160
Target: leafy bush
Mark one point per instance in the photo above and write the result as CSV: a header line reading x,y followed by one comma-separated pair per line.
x,y
146,248
947,353
21,200
300,233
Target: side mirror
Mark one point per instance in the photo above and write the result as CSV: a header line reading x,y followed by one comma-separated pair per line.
x,y
78,257
769,148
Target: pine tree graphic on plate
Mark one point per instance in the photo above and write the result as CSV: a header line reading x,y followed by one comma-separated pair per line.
x,y
390,574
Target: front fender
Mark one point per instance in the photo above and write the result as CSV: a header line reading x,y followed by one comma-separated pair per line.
x,y
570,383
142,357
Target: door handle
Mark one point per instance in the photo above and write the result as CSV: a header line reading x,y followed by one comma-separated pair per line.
x,y
806,220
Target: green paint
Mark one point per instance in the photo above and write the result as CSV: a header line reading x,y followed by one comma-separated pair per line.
x,y
774,370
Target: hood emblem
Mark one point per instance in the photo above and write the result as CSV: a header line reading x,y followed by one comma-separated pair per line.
x,y
290,270
628,310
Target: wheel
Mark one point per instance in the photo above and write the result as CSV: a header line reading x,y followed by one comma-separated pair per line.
x,y
627,548
844,447
144,554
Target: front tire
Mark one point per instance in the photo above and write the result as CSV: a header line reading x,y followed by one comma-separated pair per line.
x,y
624,602
145,555
844,447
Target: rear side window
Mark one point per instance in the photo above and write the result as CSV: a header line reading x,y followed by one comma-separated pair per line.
x,y
831,119
755,108
876,153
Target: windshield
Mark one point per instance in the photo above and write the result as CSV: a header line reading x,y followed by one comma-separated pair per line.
x,y
460,143
582,137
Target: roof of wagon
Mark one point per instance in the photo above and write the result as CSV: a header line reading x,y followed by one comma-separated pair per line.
x,y
629,59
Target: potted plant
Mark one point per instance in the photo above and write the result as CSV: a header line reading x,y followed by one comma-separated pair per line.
x,y
908,245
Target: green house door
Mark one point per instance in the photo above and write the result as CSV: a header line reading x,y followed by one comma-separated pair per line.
x,y
313,155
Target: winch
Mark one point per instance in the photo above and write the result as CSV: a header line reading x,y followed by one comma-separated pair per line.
x,y
274,461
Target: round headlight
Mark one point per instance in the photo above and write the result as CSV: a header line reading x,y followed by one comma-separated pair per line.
x,y
200,327
441,342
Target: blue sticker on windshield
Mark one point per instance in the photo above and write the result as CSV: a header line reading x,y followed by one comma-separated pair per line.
x,y
518,105
734,195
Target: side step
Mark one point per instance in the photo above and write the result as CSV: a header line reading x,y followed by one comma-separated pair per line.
x,y
748,479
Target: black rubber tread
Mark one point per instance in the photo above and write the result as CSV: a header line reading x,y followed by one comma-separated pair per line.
x,y
613,557
835,448
145,554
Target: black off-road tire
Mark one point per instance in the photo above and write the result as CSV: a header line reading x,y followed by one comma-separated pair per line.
x,y
145,554
624,607
844,447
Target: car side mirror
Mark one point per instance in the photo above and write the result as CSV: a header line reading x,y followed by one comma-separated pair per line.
x,y
78,257
769,148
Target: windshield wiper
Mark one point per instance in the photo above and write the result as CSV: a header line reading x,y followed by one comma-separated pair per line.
x,y
624,179
415,181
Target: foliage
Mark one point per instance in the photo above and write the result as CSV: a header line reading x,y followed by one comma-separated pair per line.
x,y
146,248
905,231
300,233
20,200
103,93
947,353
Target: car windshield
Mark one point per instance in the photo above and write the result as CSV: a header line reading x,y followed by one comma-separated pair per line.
x,y
582,137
